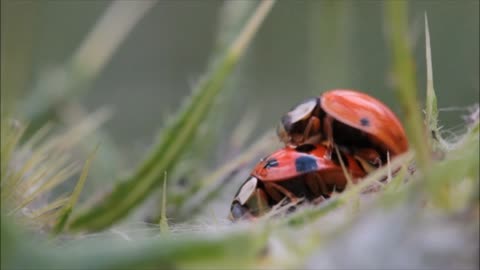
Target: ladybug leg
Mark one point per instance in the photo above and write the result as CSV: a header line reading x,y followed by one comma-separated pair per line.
x,y
325,190
377,162
272,188
328,129
369,158
276,195
319,200
317,186
312,184
262,201
312,127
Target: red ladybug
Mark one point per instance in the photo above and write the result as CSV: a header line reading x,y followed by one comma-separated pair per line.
x,y
361,124
305,172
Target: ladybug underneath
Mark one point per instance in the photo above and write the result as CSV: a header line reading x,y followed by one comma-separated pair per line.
x,y
305,172
356,122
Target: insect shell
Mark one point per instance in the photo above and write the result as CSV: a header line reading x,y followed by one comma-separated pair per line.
x,y
356,121
290,175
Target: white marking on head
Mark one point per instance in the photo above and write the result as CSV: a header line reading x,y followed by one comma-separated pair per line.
x,y
302,111
247,190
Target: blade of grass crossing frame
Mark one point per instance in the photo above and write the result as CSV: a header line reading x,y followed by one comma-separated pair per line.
x,y
59,177
431,100
68,207
405,81
431,109
431,113
175,137
163,215
56,204
185,251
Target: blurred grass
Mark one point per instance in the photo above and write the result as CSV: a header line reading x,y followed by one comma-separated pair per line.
x,y
187,251
33,169
64,82
68,206
163,214
431,110
199,160
426,217
57,89
404,73
208,187
174,139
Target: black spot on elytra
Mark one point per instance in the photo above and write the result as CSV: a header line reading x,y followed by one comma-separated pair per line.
x,y
305,148
364,122
271,163
305,164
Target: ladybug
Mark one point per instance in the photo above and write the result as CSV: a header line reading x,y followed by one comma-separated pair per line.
x,y
361,124
292,174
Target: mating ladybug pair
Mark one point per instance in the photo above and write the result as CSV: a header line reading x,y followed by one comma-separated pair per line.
x,y
364,129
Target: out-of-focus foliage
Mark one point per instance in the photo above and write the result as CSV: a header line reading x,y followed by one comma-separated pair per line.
x,y
33,172
132,57
174,138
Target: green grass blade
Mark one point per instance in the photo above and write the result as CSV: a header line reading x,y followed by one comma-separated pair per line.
x,y
212,133
431,109
175,137
47,209
61,176
460,162
37,168
431,113
237,249
231,19
404,77
163,215
68,207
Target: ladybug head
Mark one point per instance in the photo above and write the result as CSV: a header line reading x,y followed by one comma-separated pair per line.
x,y
249,201
292,127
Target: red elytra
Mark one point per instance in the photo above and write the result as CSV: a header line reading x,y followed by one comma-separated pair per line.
x,y
288,162
348,118
305,172
352,108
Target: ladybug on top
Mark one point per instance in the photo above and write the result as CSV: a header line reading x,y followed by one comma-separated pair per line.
x,y
355,122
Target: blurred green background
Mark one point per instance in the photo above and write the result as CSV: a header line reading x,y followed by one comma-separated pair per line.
x,y
303,48
56,71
